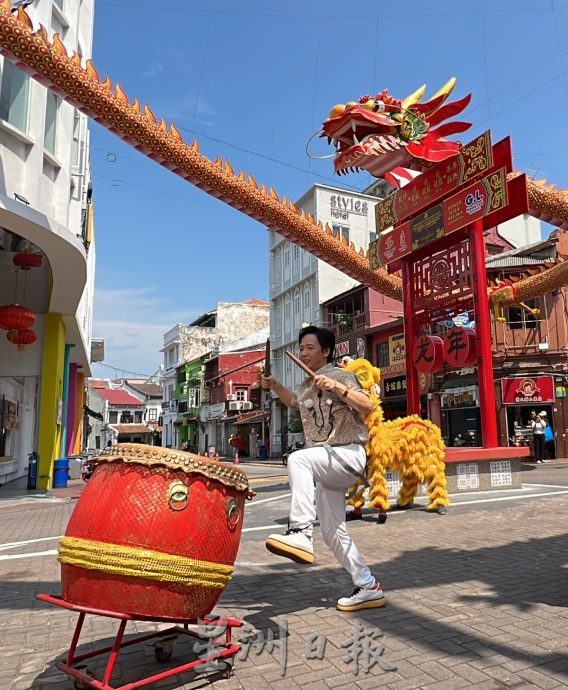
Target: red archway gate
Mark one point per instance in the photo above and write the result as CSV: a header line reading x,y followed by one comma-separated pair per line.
x,y
437,243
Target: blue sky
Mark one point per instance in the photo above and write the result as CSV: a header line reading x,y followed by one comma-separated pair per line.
x,y
261,77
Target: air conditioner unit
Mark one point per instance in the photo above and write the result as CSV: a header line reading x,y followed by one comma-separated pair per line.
x,y
246,405
173,405
235,405
231,396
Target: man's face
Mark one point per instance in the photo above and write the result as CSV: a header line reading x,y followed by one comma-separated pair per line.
x,y
311,353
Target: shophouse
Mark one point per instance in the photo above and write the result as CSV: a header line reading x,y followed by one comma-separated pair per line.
x,y
47,257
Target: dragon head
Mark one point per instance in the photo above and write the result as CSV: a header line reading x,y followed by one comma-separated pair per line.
x,y
381,133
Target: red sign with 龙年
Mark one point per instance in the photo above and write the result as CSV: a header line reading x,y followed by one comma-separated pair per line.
x,y
528,389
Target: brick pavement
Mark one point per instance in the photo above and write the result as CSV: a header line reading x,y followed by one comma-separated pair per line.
x,y
478,598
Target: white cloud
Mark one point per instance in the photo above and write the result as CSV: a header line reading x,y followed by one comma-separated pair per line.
x,y
132,322
154,69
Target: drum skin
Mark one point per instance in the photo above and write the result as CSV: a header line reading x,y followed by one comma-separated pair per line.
x,y
132,516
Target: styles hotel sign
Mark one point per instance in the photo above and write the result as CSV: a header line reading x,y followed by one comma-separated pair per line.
x,y
527,390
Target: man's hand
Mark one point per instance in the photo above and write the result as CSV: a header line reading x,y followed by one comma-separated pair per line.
x,y
325,383
268,382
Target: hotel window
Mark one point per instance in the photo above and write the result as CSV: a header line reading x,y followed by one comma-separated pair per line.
x,y
340,231
51,108
14,96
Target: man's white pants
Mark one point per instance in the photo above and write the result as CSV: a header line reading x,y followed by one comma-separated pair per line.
x,y
331,479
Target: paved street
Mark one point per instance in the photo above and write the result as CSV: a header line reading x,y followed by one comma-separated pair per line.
x,y
478,597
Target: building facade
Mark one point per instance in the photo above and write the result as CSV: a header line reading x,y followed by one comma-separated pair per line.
x,y
47,257
300,283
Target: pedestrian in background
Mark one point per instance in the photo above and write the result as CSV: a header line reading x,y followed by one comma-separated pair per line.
x,y
539,425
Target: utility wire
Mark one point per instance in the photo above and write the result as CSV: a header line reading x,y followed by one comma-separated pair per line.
x,y
123,371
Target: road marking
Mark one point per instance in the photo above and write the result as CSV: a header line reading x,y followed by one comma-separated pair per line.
x,y
267,500
4,547
453,505
28,555
257,480
552,486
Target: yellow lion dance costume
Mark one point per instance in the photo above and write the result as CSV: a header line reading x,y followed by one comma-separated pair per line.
x,y
410,445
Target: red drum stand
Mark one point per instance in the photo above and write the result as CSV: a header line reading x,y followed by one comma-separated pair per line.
x,y
218,650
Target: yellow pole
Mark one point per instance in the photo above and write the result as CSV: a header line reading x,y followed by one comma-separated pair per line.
x,y
50,407
79,401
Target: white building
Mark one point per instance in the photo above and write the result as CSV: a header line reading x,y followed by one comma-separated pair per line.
x,y
226,323
300,282
46,211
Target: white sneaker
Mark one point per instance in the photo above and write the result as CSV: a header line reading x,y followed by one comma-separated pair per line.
x,y
363,598
294,545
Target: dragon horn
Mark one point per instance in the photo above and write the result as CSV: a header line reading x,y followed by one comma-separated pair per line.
x,y
414,97
446,90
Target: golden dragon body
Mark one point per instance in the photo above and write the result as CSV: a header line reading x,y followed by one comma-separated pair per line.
x,y
50,64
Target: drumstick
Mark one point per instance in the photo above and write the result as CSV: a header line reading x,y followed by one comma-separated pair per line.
x,y
308,371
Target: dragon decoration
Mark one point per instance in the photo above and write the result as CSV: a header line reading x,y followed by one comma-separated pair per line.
x,y
408,134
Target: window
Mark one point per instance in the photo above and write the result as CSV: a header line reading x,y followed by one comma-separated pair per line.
x,y
297,302
51,108
113,417
340,231
287,312
59,4
152,414
241,394
520,319
14,96
181,376
75,144
138,417
170,392
287,257
306,298
383,354
57,26
126,417
97,442
296,253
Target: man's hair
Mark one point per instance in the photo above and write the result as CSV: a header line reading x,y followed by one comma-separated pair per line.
x,y
325,338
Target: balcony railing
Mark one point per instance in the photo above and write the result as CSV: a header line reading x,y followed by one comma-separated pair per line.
x,y
360,322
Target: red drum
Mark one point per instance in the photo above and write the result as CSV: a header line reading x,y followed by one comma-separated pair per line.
x,y
155,533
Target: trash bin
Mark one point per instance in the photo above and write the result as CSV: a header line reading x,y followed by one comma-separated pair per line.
x,y
32,471
60,473
262,453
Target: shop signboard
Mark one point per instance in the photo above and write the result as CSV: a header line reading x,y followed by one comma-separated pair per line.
x,y
527,390
397,352
484,197
447,177
395,386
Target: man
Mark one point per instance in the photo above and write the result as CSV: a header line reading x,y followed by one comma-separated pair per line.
x,y
538,423
330,405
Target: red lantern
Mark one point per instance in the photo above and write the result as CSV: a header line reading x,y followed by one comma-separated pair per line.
x,y
27,260
14,318
21,338
428,353
460,347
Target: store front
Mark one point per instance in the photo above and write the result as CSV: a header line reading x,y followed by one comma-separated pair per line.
x,y
461,417
521,396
